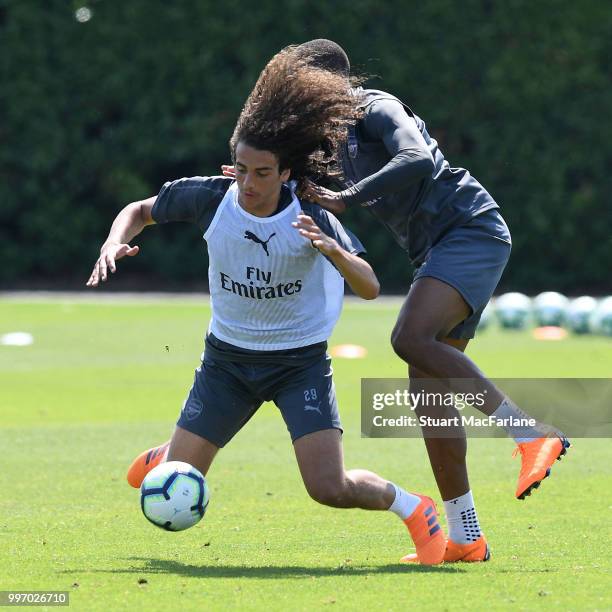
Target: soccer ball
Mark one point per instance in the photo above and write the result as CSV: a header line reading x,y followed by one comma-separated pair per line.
x,y
174,496
513,310
601,320
579,314
549,308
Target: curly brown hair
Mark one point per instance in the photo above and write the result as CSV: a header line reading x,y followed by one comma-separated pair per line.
x,y
300,113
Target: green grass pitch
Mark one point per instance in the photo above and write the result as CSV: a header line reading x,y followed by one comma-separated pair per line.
x,y
106,379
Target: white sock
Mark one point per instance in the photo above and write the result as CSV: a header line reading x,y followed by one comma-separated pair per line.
x,y
461,518
509,410
404,503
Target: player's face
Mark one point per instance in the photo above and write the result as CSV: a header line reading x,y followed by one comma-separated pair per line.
x,y
259,179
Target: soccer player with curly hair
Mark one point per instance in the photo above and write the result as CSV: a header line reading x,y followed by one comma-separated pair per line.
x,y
276,273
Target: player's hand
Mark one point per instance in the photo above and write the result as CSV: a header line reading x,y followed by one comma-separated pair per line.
x,y
108,255
311,231
229,171
326,198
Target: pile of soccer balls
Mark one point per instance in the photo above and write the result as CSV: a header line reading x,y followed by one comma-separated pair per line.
x,y
174,496
582,315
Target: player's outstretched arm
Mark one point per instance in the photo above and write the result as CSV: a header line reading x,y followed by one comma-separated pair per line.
x,y
357,272
128,223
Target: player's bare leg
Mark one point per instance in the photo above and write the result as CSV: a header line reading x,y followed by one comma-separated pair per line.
x,y
431,310
191,448
446,455
321,462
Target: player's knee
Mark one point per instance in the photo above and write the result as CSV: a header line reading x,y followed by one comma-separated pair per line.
x,y
409,344
328,493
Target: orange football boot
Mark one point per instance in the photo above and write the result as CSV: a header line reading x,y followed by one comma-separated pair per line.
x,y
426,532
144,463
465,553
537,457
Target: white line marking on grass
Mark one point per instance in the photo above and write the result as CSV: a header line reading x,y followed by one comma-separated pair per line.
x,y
17,339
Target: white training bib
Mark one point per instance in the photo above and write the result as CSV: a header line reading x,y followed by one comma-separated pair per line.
x,y
269,288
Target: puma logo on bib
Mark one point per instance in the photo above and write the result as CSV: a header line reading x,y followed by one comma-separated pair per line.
x,y
264,243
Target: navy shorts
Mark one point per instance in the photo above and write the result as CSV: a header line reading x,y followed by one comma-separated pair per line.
x,y
232,383
470,258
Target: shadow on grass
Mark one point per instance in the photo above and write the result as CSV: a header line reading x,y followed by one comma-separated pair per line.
x,y
169,566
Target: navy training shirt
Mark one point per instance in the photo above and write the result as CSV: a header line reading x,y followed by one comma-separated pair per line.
x,y
395,169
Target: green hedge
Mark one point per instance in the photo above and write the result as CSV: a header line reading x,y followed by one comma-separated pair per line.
x,y
97,114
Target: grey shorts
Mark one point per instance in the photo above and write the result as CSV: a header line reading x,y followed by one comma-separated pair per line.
x,y
470,258
231,384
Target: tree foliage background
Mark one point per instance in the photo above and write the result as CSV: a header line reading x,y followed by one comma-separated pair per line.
x,y
99,113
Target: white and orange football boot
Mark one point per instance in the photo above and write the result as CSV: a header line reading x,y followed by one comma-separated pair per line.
x,y
145,462
537,458
459,553
426,532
